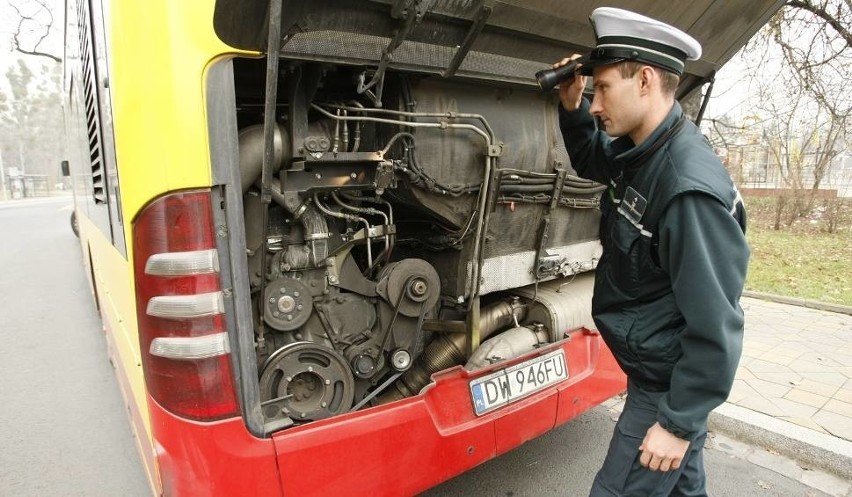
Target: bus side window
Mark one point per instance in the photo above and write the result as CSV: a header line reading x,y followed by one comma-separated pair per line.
x,y
97,111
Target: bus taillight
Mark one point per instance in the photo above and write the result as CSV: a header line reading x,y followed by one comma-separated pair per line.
x,y
182,332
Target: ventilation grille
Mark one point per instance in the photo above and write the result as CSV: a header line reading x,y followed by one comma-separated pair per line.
x,y
338,46
90,94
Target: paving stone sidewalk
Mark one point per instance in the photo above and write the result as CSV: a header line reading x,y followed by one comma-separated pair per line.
x,y
797,366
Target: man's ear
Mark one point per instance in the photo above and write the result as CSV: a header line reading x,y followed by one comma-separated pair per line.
x,y
646,76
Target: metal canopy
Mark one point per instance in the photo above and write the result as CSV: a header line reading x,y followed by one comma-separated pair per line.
x,y
493,39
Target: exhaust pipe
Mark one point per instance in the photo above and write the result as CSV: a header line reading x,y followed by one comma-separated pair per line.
x,y
250,141
447,351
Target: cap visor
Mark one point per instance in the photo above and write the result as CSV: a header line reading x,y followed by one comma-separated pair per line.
x,y
589,66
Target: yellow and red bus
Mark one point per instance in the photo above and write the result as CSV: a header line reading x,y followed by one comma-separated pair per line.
x,y
337,245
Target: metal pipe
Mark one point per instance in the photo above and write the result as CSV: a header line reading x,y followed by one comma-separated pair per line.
x,y
357,143
355,208
316,228
269,127
394,139
365,210
511,343
483,134
336,142
480,229
377,200
487,174
536,188
251,150
500,315
706,99
345,137
448,350
445,115
348,217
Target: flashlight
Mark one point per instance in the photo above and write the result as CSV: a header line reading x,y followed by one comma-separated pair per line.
x,y
548,78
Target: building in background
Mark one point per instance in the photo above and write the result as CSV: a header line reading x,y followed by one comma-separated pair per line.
x,y
19,185
762,164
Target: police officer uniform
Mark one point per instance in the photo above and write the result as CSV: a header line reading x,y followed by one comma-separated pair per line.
x,y
667,287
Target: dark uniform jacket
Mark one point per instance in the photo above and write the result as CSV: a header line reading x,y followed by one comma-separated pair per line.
x,y
668,284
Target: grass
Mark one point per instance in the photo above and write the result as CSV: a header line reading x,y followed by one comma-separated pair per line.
x,y
799,261
809,266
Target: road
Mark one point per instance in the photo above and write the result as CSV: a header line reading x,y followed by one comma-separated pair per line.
x,y
65,432
564,462
63,427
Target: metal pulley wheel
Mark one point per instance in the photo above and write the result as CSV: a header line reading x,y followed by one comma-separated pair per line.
x,y
307,381
412,283
288,304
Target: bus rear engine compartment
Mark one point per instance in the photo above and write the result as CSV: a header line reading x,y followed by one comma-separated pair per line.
x,y
442,227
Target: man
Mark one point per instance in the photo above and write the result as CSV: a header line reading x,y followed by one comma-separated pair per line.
x,y
667,287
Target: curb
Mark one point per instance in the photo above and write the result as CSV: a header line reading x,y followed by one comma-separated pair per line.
x,y
812,304
812,448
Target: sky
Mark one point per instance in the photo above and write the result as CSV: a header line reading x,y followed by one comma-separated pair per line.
x,y
731,90
8,24
9,20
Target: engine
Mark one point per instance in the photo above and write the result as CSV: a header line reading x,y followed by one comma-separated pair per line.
x,y
436,224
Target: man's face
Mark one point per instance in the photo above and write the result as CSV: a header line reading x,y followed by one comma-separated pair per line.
x,y
616,101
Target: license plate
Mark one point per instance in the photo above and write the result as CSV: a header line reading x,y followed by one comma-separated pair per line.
x,y
508,385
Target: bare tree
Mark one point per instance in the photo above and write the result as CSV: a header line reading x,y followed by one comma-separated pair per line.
x,y
836,15
804,140
821,64
721,136
807,105
31,118
30,109
34,25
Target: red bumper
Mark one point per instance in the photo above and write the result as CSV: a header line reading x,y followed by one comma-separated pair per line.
x,y
397,449
212,459
409,446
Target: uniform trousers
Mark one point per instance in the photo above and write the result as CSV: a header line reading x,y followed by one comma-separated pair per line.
x,y
621,474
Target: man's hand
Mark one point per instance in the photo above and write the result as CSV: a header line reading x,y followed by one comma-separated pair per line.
x,y
571,92
661,450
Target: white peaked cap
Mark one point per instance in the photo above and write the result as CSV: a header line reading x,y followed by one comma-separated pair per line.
x,y
624,35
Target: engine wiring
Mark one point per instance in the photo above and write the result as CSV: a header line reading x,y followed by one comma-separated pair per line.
x,y
516,181
512,185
